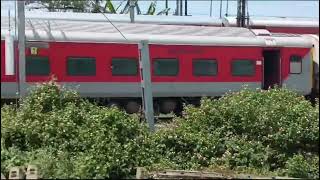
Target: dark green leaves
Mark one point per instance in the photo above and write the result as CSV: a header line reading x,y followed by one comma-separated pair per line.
x,y
80,140
274,131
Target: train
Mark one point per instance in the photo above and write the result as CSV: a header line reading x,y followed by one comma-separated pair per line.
x,y
293,25
187,62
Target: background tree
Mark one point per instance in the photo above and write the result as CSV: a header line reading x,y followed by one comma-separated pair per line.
x,y
62,5
95,6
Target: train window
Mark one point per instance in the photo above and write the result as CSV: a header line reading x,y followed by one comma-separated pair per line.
x,y
80,66
37,66
295,64
205,67
124,67
243,67
166,67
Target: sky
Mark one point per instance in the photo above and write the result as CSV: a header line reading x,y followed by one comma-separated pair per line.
x,y
287,8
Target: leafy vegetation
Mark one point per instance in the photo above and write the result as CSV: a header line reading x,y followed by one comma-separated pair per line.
x,y
262,130
266,132
59,129
96,6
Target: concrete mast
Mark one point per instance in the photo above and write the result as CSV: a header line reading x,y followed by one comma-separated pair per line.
x,y
132,5
21,48
146,85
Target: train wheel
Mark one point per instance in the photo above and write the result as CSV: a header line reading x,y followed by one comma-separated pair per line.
x,y
168,106
114,104
132,107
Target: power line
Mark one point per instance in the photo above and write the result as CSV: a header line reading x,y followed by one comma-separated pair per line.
x,y
109,21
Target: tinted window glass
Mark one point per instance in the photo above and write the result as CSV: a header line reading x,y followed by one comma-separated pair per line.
x,y
166,67
124,67
243,68
295,64
37,66
77,66
205,67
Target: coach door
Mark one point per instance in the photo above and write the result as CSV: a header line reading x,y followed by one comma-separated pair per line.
x,y
271,68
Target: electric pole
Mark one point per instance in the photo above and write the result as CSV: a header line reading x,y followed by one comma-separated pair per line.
x,y
220,8
186,7
21,47
241,14
132,5
167,7
146,85
211,8
181,6
177,8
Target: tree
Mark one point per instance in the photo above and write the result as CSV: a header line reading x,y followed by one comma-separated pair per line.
x,y
109,8
63,5
95,6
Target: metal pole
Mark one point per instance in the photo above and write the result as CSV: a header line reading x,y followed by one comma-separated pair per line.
x,y
186,7
211,8
227,8
243,13
21,48
177,8
9,21
167,7
181,8
146,84
239,13
220,8
247,11
15,19
132,4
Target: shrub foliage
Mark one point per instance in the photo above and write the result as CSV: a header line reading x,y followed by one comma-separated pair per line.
x,y
260,130
69,137
274,131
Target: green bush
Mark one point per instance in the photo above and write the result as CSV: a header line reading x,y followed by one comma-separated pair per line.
x,y
91,141
247,129
273,131
303,167
11,157
278,117
187,150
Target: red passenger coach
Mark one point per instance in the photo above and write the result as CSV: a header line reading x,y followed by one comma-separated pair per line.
x,y
187,62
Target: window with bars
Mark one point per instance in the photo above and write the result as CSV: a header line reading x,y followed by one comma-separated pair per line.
x,y
81,66
166,67
205,67
243,67
124,67
37,66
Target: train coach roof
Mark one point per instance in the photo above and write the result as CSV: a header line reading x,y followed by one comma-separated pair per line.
x,y
125,18
275,21
128,28
80,31
175,20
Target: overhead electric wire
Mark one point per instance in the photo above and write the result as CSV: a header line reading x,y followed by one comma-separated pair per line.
x,y
110,21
